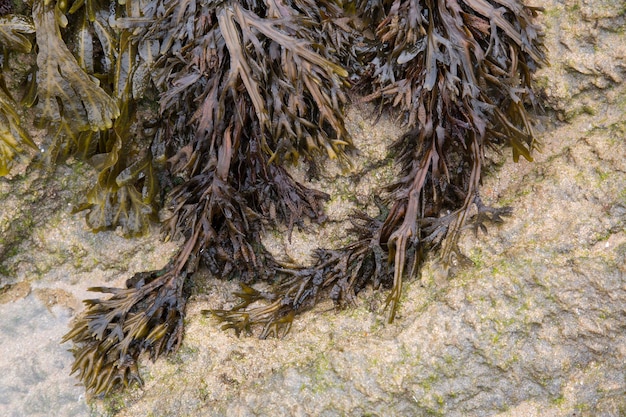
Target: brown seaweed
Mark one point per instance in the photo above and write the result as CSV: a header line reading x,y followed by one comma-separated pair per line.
x,y
337,273
145,317
460,73
460,70
244,87
251,87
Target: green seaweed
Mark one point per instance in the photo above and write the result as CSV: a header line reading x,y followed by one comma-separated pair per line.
x,y
13,31
125,197
13,37
66,93
243,88
12,136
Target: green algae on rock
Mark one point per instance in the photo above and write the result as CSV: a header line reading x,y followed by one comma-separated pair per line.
x,y
244,87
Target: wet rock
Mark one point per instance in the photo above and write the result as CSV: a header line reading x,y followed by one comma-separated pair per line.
x,y
13,292
536,326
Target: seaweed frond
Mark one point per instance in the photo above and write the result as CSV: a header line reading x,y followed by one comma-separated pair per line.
x,y
109,337
337,274
269,62
13,138
222,222
461,73
126,189
13,31
252,90
66,93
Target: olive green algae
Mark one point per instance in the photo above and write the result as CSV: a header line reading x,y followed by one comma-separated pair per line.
x,y
533,325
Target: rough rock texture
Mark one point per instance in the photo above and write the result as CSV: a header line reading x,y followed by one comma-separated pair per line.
x,y
535,327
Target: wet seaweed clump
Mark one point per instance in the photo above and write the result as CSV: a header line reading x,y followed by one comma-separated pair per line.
x,y
245,88
459,74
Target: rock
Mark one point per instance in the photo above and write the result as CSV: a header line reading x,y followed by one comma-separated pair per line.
x,y
536,327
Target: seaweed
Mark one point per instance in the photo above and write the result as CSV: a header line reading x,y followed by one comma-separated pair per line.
x,y
460,74
242,89
13,31
146,316
460,70
265,93
123,197
12,136
62,85
338,274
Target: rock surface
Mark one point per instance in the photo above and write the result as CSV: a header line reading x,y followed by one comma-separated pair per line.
x,y
536,327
